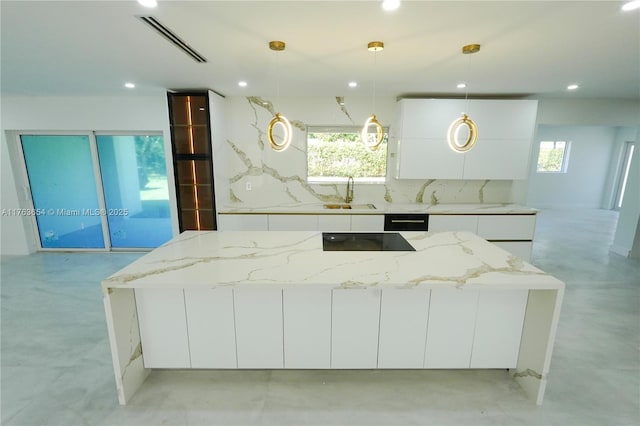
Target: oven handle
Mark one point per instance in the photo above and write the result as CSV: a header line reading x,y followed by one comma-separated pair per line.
x,y
406,221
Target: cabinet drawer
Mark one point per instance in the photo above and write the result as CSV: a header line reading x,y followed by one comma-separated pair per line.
x,y
507,227
293,222
454,223
242,222
367,222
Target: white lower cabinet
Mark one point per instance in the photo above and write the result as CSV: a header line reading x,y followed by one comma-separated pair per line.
x,y
163,328
242,222
354,328
259,336
499,321
318,328
293,222
334,222
403,328
451,326
507,227
211,325
307,327
367,222
453,222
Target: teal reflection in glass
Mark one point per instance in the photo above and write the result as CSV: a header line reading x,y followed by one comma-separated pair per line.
x,y
63,189
136,191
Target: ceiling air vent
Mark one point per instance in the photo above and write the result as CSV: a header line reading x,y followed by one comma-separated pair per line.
x,y
172,37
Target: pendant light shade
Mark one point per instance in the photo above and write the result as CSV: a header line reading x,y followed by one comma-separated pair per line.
x,y
279,119
365,136
453,135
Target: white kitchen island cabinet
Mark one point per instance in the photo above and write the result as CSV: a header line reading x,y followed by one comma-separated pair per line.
x,y
272,300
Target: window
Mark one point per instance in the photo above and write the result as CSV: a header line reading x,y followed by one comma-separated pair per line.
x,y
335,153
553,157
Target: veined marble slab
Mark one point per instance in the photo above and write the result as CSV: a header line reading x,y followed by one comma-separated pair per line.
x,y
381,208
222,258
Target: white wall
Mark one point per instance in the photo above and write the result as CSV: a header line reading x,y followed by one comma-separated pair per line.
x,y
584,183
628,228
589,112
24,113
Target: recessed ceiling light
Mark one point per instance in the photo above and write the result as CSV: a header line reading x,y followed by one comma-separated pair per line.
x,y
572,87
390,4
632,5
242,83
353,84
461,85
129,85
148,3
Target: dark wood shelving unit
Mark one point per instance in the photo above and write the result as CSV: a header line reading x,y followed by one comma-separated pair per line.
x,y
192,159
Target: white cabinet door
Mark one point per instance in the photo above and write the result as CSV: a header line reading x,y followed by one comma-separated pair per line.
x,y
354,328
453,222
505,130
507,227
506,159
163,328
367,222
403,328
242,222
334,222
429,118
210,321
428,159
307,327
499,321
293,222
259,327
521,249
451,327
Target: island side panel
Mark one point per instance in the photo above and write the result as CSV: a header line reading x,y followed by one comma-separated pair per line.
x,y
538,336
124,339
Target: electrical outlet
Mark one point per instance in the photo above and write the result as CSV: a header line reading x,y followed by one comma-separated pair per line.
x,y
248,186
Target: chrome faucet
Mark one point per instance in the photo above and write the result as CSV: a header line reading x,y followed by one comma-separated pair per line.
x,y
349,195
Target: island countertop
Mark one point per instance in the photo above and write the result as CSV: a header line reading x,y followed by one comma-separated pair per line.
x,y
208,259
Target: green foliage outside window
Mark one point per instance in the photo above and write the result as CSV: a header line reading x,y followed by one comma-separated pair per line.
x,y
551,156
342,154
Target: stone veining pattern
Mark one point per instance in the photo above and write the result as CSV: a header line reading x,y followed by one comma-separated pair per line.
x,y
296,258
281,177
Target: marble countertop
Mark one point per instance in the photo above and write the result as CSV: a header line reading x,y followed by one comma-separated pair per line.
x,y
208,259
381,208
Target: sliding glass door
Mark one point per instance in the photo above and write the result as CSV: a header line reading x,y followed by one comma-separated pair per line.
x,y
63,189
136,191
98,191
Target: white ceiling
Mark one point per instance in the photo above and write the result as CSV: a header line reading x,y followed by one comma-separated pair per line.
x,y
528,47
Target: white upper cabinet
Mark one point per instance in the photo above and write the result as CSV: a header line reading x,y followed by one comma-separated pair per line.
x,y
505,133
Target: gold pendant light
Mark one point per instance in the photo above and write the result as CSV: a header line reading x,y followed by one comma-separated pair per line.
x,y
464,121
279,119
373,145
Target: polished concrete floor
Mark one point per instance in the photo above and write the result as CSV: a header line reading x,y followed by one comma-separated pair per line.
x,y
56,364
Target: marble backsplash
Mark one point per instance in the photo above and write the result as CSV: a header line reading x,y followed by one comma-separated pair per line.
x,y
252,175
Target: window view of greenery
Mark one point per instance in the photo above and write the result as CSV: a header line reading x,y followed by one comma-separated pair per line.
x,y
551,157
338,153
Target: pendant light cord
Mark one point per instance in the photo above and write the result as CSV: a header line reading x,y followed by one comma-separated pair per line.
x,y
375,64
466,96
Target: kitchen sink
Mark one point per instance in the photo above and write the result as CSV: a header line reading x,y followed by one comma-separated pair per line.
x,y
349,206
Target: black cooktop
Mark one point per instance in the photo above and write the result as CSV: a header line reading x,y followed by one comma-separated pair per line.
x,y
361,241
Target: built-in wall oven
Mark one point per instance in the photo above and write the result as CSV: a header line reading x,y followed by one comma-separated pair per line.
x,y
406,222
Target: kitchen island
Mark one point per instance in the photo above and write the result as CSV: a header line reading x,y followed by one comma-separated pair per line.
x,y
269,300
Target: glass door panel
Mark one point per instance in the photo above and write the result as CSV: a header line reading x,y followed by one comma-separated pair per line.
x,y
134,178
63,189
